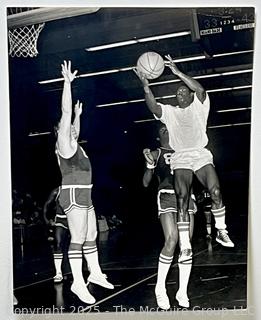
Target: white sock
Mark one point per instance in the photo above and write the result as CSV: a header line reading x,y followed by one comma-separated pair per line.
x,y
219,215
163,269
75,259
184,274
184,240
58,258
91,256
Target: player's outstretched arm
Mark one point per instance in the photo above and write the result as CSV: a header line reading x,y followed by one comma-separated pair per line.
x,y
65,122
149,97
193,84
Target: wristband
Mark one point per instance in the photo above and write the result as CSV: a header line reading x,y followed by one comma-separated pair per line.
x,y
150,166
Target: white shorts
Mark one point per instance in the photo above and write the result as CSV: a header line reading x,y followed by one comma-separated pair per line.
x,y
191,159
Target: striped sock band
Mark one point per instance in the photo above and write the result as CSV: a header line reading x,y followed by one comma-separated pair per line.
x,y
163,269
165,259
219,215
75,259
75,254
58,256
91,256
89,250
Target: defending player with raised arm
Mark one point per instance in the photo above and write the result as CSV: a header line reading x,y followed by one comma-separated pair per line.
x,y
158,164
58,220
75,194
186,123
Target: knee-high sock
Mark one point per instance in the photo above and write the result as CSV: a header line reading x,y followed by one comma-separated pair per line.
x,y
91,256
75,259
163,269
219,215
58,258
184,240
184,274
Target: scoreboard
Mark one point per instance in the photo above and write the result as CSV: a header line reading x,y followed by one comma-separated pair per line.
x,y
208,21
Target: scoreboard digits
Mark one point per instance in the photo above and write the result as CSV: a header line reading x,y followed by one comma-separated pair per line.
x,y
219,20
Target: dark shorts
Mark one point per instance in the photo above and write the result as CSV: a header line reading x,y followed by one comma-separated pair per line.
x,y
167,202
75,196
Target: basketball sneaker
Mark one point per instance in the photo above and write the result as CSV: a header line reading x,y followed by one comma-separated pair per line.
x,y
162,299
182,300
82,293
58,278
223,239
185,255
100,279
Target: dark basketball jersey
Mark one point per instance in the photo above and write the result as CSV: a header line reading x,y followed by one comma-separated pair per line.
x,y
75,170
162,169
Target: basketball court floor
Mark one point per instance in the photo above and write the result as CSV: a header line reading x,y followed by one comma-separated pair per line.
x,y
218,278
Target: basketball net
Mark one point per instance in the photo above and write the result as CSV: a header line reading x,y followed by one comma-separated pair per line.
x,y
23,40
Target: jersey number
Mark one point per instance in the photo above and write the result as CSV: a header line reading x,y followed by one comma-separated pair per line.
x,y
167,157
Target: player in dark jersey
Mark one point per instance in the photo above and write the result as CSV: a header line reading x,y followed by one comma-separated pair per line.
x,y
54,216
75,194
158,163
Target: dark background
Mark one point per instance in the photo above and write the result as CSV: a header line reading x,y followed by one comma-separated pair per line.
x,y
114,141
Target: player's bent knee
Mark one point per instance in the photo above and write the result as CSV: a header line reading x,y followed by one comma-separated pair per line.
x,y
215,192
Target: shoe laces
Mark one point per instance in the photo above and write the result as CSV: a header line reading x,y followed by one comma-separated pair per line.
x,y
223,234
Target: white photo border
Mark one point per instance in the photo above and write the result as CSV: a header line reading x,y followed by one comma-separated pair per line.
x,y
254,258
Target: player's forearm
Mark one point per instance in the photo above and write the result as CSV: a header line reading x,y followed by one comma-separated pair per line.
x,y
67,98
76,124
147,177
151,101
45,214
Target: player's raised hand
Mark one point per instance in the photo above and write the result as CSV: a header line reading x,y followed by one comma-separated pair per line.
x,y
141,76
78,108
148,156
68,75
171,64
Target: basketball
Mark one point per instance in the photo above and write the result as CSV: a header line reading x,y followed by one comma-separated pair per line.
x,y
151,64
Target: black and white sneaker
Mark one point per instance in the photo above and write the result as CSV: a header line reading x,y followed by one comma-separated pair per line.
x,y
223,239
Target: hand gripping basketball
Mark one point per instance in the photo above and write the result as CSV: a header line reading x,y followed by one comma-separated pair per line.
x,y
149,158
142,77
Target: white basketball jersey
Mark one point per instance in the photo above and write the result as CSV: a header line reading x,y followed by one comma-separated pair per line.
x,y
187,127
